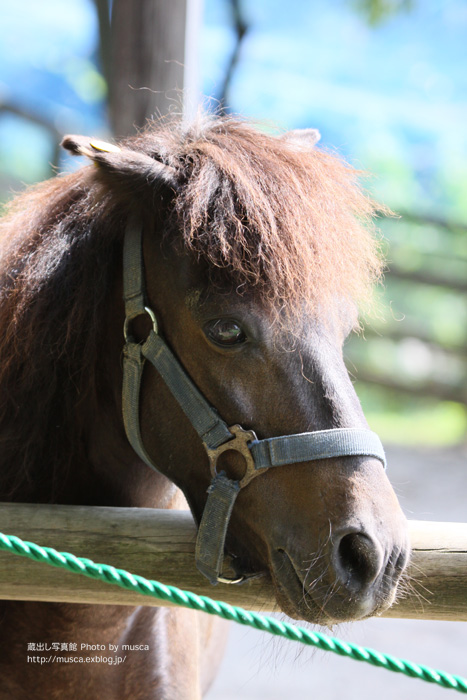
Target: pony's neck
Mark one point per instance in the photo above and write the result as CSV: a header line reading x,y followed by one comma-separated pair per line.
x,y
114,475
105,469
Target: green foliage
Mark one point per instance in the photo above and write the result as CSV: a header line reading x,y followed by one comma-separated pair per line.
x,y
377,11
402,420
417,343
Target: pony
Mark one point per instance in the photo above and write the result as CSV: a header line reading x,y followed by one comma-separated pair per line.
x,y
257,251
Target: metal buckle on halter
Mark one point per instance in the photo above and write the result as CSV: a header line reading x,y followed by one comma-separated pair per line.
x,y
238,443
126,324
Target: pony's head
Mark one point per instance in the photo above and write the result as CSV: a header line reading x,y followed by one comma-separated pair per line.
x,y
256,251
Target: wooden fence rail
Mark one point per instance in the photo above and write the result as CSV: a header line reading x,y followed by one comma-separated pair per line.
x,y
434,269
159,544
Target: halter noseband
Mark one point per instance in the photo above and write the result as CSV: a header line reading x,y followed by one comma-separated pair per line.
x,y
216,436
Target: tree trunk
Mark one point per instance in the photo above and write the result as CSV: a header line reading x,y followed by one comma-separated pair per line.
x,y
146,73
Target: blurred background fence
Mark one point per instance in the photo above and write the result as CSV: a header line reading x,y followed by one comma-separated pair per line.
x,y
383,81
413,367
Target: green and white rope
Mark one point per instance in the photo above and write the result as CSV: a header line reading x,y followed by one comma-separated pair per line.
x,y
133,582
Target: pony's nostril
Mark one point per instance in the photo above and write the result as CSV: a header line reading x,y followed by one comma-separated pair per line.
x,y
358,560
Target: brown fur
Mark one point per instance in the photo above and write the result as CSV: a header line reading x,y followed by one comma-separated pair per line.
x,y
236,225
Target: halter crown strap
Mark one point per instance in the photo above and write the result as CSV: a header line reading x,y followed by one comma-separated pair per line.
x,y
216,436
134,292
208,424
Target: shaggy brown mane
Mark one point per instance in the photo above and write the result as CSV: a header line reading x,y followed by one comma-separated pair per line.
x,y
266,214
292,222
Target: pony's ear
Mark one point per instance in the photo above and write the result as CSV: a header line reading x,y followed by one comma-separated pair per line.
x,y
122,164
304,138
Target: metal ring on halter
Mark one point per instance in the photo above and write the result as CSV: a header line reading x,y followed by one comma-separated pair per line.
x,y
127,322
239,443
222,579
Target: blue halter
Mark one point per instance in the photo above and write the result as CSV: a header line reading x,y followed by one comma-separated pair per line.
x,y
216,436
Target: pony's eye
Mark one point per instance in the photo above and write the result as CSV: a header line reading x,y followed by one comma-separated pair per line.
x,y
225,332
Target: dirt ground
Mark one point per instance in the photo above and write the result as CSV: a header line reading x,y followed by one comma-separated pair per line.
x,y
431,485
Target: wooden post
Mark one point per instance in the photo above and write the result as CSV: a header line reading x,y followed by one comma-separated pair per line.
x,y
152,66
159,544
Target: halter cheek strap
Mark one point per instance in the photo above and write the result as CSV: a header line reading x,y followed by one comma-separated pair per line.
x,y
214,433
